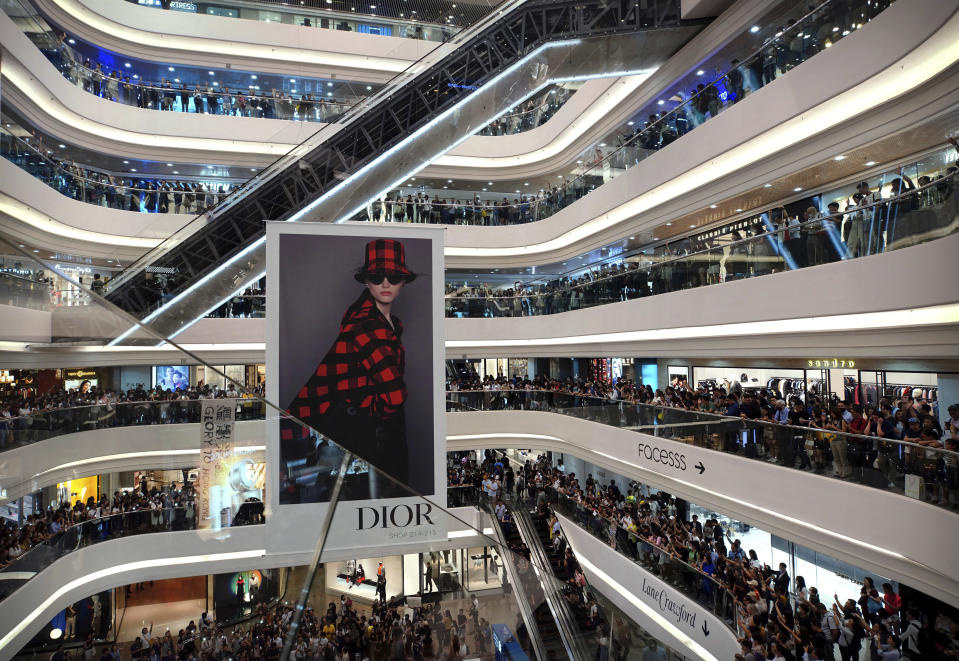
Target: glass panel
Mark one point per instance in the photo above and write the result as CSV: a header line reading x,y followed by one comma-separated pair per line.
x,y
924,470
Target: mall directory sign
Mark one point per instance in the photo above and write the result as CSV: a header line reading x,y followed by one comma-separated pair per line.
x,y
355,349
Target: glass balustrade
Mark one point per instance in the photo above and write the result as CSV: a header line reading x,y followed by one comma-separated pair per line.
x,y
877,461
918,469
42,425
779,242
430,21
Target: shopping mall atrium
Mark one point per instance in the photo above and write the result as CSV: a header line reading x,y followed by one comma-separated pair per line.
x,y
400,330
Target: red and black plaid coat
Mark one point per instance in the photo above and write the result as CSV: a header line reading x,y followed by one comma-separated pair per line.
x,y
364,368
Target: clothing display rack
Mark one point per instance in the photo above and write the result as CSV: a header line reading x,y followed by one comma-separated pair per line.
x,y
900,390
783,387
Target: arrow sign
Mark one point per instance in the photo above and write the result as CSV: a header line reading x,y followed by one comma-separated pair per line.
x,y
705,629
701,469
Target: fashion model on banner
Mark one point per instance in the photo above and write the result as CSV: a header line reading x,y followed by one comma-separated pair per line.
x,y
356,395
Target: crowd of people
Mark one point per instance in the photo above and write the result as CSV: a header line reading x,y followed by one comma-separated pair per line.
x,y
26,418
131,89
125,193
776,616
169,507
391,630
535,111
893,435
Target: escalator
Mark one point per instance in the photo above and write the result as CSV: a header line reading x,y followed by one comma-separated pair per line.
x,y
555,612
487,69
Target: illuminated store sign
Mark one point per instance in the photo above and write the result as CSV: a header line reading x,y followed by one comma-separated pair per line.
x,y
827,363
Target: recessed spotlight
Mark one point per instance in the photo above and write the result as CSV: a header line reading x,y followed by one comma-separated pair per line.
x,y
484,190
211,73
767,185
489,183
559,176
632,237
700,72
445,186
754,29
126,162
797,189
660,102
712,206
693,225
36,251
329,84
252,169
126,64
329,93
669,224
169,165
109,261
170,69
135,76
839,158
369,87
630,123
526,183
738,210
449,181
870,163
253,76
176,172
412,178
176,80
63,146
132,169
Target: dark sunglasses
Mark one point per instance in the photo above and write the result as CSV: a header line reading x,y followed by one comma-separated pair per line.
x,y
376,277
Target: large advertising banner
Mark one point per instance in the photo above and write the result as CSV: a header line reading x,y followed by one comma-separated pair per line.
x,y
355,350
217,419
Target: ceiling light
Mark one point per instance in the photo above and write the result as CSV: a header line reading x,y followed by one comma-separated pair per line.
x,y
559,176
693,225
176,172
109,261
132,170
56,632
630,123
602,144
632,237
797,189
838,158
329,93
126,64
20,245
660,102
484,190
169,165
526,183
170,69
700,72
449,181
63,146
36,251
252,169
368,87
738,210
292,80
253,76
329,84
870,163
489,183
712,206
126,162
669,224
754,29
71,41
211,73
176,80
445,186
767,185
